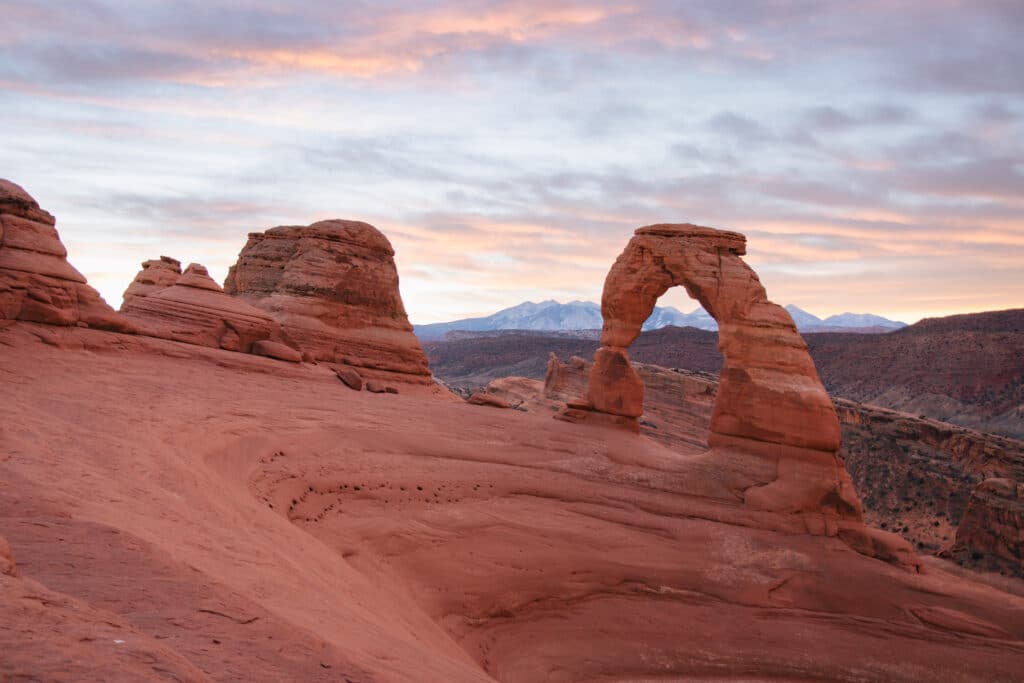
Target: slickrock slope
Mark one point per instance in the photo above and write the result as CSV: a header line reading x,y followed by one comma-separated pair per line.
x,y
276,526
36,281
195,310
947,489
333,286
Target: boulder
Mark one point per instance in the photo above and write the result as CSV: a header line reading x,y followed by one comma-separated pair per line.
x,y
350,378
375,387
37,284
482,398
565,381
333,287
195,310
273,349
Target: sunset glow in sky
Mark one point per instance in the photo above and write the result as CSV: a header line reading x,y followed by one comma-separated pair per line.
x,y
872,152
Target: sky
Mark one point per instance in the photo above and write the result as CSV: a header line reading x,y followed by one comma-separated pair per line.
x,y
871,151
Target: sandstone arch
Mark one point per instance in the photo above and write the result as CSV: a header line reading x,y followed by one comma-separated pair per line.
x,y
770,404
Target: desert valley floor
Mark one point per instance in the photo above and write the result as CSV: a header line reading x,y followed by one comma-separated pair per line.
x,y
183,513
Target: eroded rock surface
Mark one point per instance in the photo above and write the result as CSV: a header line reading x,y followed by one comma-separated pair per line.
x,y
945,488
195,310
37,284
770,389
156,274
275,526
333,286
991,533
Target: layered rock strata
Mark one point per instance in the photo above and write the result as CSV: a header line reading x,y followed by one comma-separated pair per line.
x,y
991,533
945,488
770,404
948,490
333,286
195,310
156,274
37,284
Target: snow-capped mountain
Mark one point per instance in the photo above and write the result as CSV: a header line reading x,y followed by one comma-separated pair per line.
x,y
586,315
861,320
802,318
546,315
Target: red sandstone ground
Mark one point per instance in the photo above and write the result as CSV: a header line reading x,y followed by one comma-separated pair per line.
x,y
178,512
172,507
949,490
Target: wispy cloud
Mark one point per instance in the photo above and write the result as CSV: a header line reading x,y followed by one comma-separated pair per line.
x,y
870,150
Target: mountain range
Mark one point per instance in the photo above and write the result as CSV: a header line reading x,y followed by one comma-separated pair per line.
x,y
553,316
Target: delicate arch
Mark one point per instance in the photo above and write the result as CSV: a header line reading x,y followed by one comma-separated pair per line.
x,y
769,388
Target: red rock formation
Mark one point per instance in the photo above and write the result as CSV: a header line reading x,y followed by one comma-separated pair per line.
x,y
770,404
195,310
155,275
333,286
564,381
37,283
991,533
770,389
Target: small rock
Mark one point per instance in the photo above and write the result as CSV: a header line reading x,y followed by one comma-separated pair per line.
x,y
273,349
350,378
482,398
6,559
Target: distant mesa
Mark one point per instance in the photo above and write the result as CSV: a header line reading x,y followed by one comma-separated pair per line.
x,y
333,288
37,284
